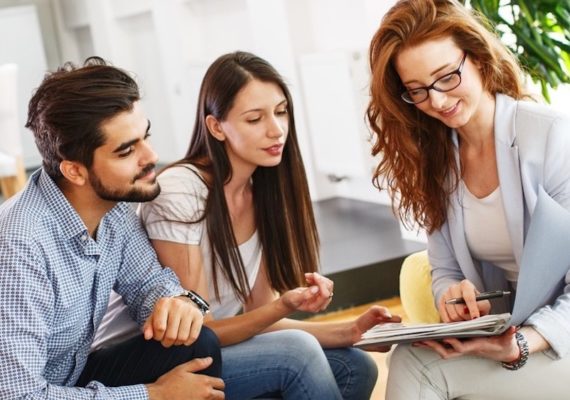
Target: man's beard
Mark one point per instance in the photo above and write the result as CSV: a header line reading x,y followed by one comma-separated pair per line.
x,y
133,195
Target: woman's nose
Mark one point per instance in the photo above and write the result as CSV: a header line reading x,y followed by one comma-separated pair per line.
x,y
437,99
275,128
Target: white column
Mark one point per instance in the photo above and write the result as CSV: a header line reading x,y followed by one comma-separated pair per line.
x,y
269,21
166,17
68,46
104,30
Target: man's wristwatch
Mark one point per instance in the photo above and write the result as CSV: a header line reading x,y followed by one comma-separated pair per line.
x,y
523,357
202,304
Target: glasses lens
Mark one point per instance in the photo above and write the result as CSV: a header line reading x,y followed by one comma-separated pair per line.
x,y
414,96
447,82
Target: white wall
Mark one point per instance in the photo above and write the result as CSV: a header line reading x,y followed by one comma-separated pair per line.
x,y
170,43
27,52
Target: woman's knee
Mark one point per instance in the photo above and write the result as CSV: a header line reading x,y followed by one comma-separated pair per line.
x,y
399,355
300,344
362,363
355,372
289,362
407,357
412,364
299,351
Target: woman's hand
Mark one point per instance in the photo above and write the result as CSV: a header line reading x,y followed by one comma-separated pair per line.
x,y
313,298
499,348
373,316
462,312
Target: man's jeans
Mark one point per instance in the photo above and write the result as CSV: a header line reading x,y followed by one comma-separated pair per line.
x,y
291,364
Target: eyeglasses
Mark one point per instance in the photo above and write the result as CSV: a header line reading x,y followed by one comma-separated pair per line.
x,y
443,84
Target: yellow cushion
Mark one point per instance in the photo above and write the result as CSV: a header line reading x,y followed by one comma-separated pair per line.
x,y
415,289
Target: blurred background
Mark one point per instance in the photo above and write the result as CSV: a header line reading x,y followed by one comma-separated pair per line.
x,y
320,47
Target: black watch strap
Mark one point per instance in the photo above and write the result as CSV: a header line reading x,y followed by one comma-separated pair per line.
x,y
202,304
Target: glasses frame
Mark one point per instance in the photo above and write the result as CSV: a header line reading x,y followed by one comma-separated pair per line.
x,y
457,72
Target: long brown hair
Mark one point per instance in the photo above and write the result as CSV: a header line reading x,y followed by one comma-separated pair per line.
x,y
418,157
283,210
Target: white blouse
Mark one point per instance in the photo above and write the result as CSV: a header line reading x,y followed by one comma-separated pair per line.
x,y
486,231
169,217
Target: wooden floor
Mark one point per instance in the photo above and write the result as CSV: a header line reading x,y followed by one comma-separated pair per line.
x,y
395,307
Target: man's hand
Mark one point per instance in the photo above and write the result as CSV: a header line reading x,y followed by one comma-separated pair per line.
x,y
174,321
182,383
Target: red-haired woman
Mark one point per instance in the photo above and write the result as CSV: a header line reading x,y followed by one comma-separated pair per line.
x,y
467,158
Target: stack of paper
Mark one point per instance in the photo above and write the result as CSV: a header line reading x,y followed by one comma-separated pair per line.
x,y
386,334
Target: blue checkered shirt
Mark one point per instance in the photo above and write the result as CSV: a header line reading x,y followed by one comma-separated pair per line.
x,y
55,282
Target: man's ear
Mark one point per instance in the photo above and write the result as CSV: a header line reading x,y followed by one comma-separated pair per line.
x,y
215,128
74,172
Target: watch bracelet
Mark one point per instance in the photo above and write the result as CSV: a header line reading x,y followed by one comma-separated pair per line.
x,y
524,353
195,298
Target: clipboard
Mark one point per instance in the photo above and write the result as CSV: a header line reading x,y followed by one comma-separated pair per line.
x,y
389,334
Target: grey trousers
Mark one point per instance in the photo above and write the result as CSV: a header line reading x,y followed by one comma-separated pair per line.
x,y
419,373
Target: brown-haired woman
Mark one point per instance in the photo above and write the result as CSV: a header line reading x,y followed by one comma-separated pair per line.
x,y
241,194
467,158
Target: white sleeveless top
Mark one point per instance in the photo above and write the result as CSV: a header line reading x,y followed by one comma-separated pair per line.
x,y
486,231
182,199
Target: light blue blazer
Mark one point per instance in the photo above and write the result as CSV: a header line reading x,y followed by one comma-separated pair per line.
x,y
532,143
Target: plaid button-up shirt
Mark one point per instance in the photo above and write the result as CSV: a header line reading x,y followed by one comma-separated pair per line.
x,y
55,282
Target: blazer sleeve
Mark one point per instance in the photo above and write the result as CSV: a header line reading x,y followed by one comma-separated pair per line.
x,y
445,269
553,321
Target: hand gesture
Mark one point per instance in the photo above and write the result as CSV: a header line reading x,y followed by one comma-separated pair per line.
x,y
313,298
373,316
182,382
499,348
462,312
174,321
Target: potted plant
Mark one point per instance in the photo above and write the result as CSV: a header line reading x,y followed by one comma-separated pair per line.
x,y
538,33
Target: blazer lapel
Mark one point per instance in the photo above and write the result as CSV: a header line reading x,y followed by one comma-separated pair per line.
x,y
457,232
509,171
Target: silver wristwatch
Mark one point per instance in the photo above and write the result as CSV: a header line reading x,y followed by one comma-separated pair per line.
x,y
202,304
523,358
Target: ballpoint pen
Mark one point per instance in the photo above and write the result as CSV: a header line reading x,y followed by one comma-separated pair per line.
x,y
480,296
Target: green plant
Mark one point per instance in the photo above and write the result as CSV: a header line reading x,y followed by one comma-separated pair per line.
x,y
538,32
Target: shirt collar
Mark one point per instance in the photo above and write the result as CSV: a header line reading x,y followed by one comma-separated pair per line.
x,y
71,223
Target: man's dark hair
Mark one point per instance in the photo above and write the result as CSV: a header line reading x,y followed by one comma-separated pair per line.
x,y
69,107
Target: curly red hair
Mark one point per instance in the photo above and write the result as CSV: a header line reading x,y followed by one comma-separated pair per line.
x,y
418,164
